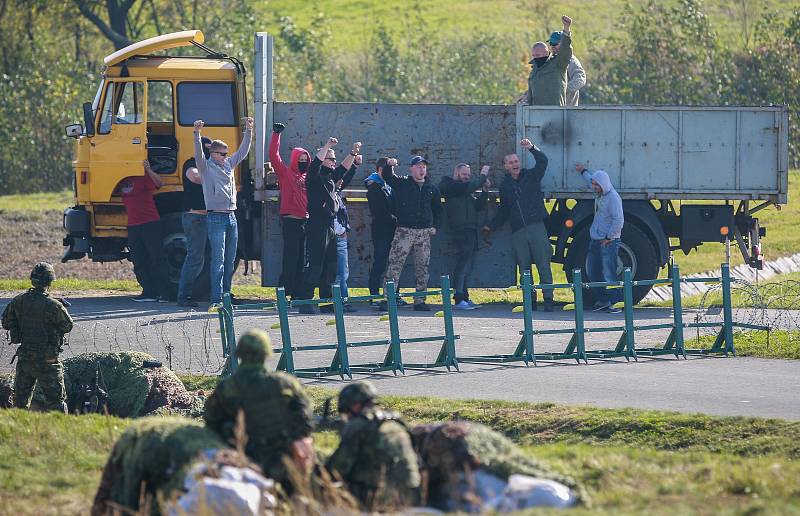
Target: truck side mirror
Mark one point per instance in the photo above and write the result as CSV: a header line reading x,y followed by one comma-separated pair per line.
x,y
74,130
88,118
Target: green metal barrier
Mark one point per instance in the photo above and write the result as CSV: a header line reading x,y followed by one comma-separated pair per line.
x,y
340,364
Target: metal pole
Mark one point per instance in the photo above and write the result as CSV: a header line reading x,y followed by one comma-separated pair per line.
x,y
394,327
677,311
527,305
628,298
341,334
227,307
449,333
263,107
727,309
286,335
577,287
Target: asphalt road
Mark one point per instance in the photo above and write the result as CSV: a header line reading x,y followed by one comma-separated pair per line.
x,y
713,385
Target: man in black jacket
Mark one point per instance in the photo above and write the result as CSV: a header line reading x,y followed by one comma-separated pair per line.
x,y
323,204
462,206
418,207
384,221
522,203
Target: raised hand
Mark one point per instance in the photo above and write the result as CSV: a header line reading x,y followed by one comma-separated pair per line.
x,y
198,124
356,148
485,170
278,127
249,122
358,160
331,142
526,143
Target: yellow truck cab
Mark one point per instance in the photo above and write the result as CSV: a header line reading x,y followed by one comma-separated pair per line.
x,y
145,108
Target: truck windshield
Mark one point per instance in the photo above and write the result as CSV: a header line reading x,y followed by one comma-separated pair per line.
x,y
211,102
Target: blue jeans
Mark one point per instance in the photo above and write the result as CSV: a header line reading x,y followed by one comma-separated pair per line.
x,y
601,265
342,267
223,234
194,227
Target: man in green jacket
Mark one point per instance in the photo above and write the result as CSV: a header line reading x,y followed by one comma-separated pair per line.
x,y
462,206
547,82
277,412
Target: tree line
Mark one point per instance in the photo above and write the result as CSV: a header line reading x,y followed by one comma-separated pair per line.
x,y
51,54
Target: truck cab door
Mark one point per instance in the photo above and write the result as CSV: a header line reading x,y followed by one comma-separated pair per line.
x,y
120,143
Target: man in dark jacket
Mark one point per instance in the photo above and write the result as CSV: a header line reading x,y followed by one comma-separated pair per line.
x,y
522,203
323,204
384,221
418,207
462,207
547,82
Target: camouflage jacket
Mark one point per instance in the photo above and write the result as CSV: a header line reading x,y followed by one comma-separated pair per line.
x,y
277,413
37,321
377,460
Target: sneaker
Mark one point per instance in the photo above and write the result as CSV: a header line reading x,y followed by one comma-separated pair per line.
x,y
461,305
187,303
162,299
548,305
307,309
600,307
349,309
422,307
474,305
401,302
612,310
214,307
142,299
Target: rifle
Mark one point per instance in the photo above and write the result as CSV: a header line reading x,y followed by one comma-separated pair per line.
x,y
326,421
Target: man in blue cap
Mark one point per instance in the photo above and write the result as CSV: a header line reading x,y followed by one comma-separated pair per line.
x,y
418,208
547,82
576,76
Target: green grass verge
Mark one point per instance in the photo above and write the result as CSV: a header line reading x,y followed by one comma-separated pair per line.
x,y
630,461
37,202
780,344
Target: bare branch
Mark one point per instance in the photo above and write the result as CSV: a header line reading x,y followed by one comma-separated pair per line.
x,y
119,40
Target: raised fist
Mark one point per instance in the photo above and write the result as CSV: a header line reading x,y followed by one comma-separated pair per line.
x,y
392,162
485,170
332,141
358,159
356,147
567,21
278,127
579,168
198,124
249,122
526,143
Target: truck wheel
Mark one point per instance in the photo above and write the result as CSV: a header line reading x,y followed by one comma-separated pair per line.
x,y
636,252
174,247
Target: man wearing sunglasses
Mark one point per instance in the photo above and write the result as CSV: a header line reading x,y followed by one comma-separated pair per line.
x,y
219,192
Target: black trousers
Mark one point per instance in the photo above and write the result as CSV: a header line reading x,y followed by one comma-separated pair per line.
x,y
466,243
294,254
381,244
144,243
321,250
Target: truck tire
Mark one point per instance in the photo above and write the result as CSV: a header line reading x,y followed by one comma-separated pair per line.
x,y
636,251
174,248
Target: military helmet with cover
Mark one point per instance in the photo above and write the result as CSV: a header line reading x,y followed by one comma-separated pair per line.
x,y
254,346
358,392
43,274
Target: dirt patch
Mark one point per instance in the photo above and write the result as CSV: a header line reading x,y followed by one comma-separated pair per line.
x,y
30,237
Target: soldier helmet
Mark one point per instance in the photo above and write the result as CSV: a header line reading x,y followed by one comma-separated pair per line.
x,y
42,274
254,346
357,392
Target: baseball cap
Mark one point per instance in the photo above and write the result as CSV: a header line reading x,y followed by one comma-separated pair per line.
x,y
555,37
417,159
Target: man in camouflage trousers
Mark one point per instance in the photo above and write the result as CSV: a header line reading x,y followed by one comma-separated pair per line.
x,y
375,457
39,323
418,207
277,413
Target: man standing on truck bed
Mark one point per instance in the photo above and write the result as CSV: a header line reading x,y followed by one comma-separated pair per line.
x,y
194,227
219,191
605,233
418,206
576,75
145,234
547,82
522,203
293,210
323,205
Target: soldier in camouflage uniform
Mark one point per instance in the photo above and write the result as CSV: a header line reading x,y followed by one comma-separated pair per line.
x,y
277,412
375,457
39,323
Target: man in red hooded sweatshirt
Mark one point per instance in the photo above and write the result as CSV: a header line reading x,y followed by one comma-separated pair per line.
x,y
293,209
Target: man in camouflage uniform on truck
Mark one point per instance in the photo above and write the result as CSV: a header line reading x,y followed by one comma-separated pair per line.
x,y
277,413
375,457
38,322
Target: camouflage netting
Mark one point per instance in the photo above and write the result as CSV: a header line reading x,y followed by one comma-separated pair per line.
x,y
133,389
156,451
452,448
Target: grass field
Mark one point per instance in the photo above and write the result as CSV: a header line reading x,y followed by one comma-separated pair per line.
x,y
630,461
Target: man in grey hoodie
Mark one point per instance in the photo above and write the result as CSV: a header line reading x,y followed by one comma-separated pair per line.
x,y
605,234
219,192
